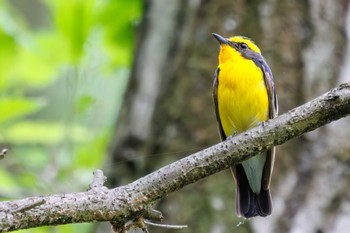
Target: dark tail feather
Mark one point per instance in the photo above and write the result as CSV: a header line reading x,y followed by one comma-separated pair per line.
x,y
249,204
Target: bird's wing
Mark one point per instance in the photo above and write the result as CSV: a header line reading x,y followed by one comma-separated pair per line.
x,y
215,97
271,91
273,111
259,60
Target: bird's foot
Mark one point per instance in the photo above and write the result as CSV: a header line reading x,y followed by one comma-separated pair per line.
x,y
231,136
263,123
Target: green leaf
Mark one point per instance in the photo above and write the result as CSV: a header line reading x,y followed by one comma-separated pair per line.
x,y
73,20
92,153
8,185
13,108
119,34
47,133
84,103
38,230
33,69
7,55
75,228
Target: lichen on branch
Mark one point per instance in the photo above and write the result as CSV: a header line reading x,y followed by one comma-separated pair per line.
x,y
135,200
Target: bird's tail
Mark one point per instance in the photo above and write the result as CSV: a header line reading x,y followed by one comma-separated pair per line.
x,y
248,203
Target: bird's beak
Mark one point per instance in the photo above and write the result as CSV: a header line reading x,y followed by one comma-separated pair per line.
x,y
221,39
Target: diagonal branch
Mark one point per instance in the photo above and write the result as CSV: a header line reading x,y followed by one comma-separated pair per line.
x,y
134,200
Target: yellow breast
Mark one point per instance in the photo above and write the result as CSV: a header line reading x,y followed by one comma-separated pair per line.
x,y
242,96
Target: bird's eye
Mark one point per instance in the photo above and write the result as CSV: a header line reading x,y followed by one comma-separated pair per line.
x,y
243,45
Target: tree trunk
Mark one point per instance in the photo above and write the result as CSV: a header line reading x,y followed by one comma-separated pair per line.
x,y
168,111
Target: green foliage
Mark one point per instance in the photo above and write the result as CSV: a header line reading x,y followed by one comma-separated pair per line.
x,y
84,103
12,108
46,133
61,85
119,30
73,20
8,184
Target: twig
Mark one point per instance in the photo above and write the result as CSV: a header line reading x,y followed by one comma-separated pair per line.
x,y
152,214
28,206
98,180
165,225
3,152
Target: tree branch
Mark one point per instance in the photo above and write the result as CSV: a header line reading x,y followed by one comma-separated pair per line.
x,y
3,152
133,201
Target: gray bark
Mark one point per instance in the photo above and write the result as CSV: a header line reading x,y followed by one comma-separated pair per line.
x,y
133,201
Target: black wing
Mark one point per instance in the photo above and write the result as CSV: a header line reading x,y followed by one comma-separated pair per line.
x,y
215,97
271,91
268,78
273,111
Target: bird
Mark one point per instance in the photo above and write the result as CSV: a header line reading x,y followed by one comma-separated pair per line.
x,y
244,97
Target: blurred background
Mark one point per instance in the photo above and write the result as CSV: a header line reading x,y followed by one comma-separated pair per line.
x,y
125,86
